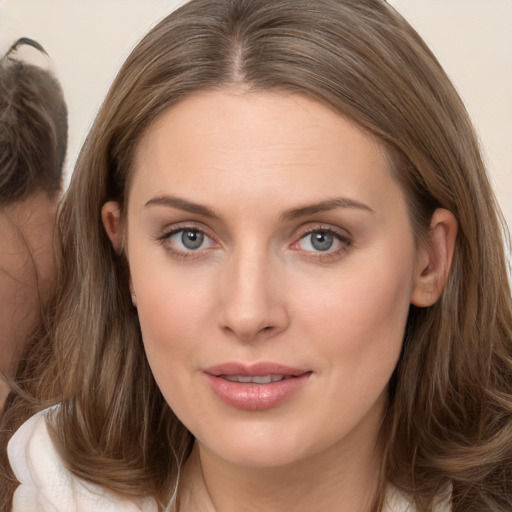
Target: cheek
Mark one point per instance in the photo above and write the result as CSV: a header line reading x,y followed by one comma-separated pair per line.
x,y
359,318
355,332
171,317
361,297
173,305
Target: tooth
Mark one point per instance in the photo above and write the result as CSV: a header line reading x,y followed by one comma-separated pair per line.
x,y
262,379
265,379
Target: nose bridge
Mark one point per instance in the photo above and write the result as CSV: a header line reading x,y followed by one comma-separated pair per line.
x,y
252,303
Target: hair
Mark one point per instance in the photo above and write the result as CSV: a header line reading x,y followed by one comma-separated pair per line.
x,y
33,142
448,424
33,127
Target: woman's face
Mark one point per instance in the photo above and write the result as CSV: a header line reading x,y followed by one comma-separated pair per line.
x,y
273,265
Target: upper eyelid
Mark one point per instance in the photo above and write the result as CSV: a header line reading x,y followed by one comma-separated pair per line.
x,y
304,231
345,240
182,226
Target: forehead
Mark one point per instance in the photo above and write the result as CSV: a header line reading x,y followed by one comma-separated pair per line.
x,y
264,141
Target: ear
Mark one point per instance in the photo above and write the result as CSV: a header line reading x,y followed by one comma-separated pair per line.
x,y
132,292
111,217
434,259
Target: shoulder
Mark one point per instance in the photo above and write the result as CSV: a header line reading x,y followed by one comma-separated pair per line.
x,y
47,485
397,501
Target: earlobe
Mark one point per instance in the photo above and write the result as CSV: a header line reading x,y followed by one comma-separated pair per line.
x,y
132,292
434,259
111,217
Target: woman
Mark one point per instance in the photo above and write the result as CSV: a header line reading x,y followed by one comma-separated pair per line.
x,y
281,283
33,139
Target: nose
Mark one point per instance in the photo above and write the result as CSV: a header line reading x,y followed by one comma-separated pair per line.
x,y
253,299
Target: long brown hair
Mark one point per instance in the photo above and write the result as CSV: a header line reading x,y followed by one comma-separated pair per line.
x,y
448,425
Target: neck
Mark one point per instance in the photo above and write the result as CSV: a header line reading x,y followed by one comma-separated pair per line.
x,y
344,478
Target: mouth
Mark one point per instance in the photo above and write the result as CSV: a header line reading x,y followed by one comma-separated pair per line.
x,y
256,386
254,371
263,379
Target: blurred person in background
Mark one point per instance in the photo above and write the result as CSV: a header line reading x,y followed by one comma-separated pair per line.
x,y
33,140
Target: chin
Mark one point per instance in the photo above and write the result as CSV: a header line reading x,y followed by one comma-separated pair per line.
x,y
258,445
258,455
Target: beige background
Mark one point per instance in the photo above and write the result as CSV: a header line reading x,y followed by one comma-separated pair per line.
x,y
88,40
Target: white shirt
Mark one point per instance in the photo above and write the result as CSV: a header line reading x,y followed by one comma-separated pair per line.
x,y
47,486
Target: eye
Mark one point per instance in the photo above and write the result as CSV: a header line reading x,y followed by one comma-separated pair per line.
x,y
186,240
317,241
323,240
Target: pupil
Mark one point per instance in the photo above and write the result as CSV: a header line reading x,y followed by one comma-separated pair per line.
x,y
322,241
192,239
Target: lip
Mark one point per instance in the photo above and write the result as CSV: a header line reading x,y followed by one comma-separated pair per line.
x,y
254,397
255,369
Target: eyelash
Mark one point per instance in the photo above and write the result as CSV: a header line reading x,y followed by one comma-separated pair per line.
x,y
324,256
165,238
328,255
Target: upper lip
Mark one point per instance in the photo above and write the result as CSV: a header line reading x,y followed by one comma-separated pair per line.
x,y
253,369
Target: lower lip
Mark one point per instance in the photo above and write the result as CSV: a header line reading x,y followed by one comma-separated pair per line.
x,y
256,397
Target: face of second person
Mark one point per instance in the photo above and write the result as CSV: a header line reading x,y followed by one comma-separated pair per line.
x,y
273,264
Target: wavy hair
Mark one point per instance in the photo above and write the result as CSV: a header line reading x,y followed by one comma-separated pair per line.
x,y
448,424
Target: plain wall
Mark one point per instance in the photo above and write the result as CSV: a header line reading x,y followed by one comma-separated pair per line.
x,y
88,41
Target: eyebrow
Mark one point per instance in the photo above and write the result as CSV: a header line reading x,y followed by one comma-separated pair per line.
x,y
182,204
323,206
294,213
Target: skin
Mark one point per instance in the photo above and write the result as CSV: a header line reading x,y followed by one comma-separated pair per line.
x,y
259,290
27,273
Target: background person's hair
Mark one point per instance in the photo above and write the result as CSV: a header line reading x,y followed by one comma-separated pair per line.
x,y
33,126
448,425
